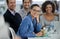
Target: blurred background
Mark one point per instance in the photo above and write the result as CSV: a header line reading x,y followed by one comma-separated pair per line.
x,y
3,5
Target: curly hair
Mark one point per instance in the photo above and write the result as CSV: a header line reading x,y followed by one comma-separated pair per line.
x,y
47,3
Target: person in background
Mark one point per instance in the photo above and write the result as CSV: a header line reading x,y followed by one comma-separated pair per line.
x,y
48,18
30,26
26,5
11,16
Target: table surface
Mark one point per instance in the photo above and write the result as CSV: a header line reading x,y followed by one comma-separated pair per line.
x,y
51,36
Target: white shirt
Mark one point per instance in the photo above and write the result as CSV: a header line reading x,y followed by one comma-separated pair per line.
x,y
12,12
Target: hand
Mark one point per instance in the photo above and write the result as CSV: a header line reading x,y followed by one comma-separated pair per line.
x,y
17,37
37,17
39,34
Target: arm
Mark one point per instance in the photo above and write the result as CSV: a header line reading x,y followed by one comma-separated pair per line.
x,y
38,25
23,29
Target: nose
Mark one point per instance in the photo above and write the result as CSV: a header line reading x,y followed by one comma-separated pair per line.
x,y
27,3
13,3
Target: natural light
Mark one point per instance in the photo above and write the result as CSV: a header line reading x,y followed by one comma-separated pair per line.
x,y
33,0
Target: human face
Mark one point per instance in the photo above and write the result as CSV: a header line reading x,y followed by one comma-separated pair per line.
x,y
26,4
49,8
11,4
35,11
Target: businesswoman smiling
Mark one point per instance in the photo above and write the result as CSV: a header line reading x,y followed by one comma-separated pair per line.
x,y
48,17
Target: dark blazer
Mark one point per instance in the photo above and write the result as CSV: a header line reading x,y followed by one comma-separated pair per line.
x,y
13,20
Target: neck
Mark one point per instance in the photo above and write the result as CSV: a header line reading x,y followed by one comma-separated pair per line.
x,y
49,14
26,9
11,10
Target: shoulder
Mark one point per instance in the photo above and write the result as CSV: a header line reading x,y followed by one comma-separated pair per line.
x,y
56,16
18,13
21,11
41,17
6,13
26,19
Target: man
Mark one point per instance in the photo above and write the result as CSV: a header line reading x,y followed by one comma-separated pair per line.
x,y
26,5
30,26
4,30
11,16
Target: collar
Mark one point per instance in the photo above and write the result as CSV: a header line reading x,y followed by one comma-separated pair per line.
x,y
30,17
12,12
33,20
25,10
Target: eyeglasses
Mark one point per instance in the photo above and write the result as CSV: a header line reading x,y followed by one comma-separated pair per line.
x,y
36,10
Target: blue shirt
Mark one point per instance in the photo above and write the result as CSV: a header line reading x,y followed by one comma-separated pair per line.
x,y
28,26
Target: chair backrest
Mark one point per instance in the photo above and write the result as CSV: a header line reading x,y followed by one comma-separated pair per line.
x,y
12,32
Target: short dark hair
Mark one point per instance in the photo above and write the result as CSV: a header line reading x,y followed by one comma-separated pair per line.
x,y
7,1
29,0
47,3
33,5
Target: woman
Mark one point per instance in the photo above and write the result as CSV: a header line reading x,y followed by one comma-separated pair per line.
x,y
48,18
30,26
